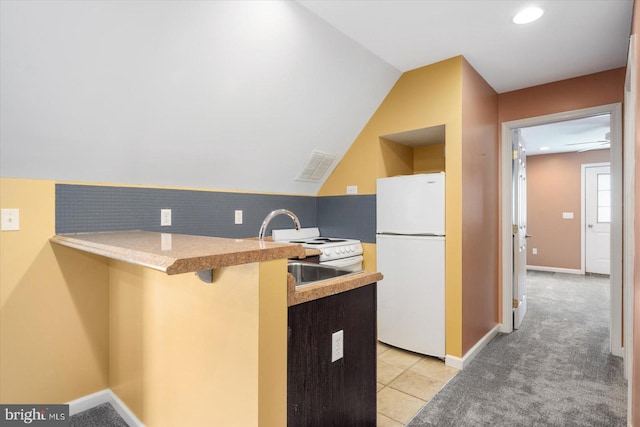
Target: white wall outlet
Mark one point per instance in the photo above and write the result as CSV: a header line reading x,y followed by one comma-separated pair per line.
x,y
534,251
337,342
352,189
238,217
10,219
165,217
567,215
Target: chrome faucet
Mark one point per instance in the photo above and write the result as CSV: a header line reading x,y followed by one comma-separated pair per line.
x,y
273,214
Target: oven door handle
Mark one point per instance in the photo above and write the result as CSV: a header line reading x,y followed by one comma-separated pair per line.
x,y
354,263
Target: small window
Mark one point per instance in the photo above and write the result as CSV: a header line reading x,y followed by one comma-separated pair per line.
x,y
604,197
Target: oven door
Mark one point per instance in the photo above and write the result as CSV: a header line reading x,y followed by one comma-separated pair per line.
x,y
353,263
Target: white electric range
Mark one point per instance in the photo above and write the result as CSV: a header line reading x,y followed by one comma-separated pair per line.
x,y
336,251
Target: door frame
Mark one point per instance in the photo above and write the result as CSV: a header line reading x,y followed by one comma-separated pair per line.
x,y
615,331
583,213
630,95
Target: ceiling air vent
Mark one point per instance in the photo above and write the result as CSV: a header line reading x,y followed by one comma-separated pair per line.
x,y
316,167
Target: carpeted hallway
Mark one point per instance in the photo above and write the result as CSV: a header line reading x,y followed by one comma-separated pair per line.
x,y
555,371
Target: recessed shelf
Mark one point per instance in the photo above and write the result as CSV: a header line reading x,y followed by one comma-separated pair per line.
x,y
419,137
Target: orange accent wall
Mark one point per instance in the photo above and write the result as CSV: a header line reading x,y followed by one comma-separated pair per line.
x,y
591,90
553,187
480,214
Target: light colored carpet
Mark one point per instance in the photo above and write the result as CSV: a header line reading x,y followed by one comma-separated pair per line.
x,y
555,371
100,416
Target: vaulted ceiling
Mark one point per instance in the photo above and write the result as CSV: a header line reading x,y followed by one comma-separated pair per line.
x,y
572,38
237,95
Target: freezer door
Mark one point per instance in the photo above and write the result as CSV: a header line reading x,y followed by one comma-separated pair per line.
x,y
411,303
411,204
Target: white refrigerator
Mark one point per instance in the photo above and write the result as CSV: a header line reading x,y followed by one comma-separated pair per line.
x,y
410,245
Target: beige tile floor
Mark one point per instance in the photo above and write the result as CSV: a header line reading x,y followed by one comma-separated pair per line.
x,y
406,381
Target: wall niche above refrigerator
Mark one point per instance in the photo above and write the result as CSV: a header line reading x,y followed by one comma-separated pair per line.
x,y
414,151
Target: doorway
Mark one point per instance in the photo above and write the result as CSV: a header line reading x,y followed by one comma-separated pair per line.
x,y
616,217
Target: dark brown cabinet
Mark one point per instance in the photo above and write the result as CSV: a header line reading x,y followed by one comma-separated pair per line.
x,y
325,393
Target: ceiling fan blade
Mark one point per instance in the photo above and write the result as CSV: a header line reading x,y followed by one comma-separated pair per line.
x,y
597,147
587,142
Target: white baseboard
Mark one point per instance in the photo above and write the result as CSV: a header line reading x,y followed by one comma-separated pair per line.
x,y
461,362
104,396
555,269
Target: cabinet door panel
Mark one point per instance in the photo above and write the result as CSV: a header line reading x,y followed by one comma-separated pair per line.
x,y
340,393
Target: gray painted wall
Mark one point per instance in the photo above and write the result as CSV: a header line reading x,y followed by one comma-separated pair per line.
x,y
351,217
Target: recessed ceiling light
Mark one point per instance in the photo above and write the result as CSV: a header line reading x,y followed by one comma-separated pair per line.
x,y
544,148
528,15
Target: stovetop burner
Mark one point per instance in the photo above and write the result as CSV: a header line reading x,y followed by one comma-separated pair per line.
x,y
332,248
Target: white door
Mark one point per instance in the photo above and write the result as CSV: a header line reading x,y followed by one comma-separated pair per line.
x,y
597,208
519,179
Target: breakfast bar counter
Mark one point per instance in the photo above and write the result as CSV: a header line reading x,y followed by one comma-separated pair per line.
x,y
178,253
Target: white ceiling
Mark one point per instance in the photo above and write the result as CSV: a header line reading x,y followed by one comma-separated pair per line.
x,y
573,37
589,133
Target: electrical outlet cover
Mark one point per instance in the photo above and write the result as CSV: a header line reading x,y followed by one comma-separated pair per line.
x,y
337,345
165,217
10,219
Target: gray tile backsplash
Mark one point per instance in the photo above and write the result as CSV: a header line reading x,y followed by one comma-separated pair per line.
x,y
351,217
89,208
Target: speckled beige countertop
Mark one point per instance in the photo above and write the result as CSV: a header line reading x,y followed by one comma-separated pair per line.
x,y
181,253
178,253
325,288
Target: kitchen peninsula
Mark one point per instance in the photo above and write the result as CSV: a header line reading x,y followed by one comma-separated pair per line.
x,y
186,352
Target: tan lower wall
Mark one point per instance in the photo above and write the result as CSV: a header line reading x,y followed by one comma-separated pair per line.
x,y
370,260
272,352
175,341
553,187
188,353
54,306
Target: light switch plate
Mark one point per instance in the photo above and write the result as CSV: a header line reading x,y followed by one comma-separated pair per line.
x,y
567,215
352,189
10,219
